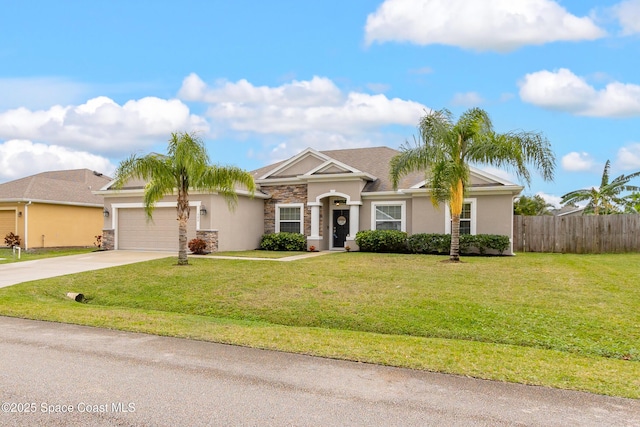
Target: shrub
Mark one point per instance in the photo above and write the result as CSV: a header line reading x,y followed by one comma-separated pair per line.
x,y
382,241
198,246
12,239
441,243
283,242
429,243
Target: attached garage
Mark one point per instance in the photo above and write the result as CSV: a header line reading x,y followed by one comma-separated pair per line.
x,y
7,223
135,232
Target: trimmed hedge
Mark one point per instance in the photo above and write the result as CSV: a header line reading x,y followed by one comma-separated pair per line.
x,y
382,241
283,242
398,242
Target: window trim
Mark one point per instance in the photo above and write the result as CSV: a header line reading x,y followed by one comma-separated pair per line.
x,y
290,205
403,212
474,217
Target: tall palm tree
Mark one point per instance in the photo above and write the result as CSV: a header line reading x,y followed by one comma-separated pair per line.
x,y
605,199
445,149
184,168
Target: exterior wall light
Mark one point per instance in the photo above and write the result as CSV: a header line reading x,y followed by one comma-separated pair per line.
x,y
203,210
105,212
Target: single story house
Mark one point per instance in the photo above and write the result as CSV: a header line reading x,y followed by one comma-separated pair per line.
x,y
326,195
53,209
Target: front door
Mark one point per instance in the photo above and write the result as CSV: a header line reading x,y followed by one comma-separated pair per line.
x,y
340,227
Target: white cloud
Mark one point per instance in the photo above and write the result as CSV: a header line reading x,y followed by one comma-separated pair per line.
x,y
578,162
20,158
498,25
550,198
102,125
299,107
629,157
628,14
468,99
565,91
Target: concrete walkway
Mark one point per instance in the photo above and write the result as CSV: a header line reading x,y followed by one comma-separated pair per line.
x,y
26,271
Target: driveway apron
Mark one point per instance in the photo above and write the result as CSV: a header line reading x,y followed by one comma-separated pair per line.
x,y
19,272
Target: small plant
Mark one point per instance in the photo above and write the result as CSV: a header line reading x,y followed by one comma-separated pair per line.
x,y
347,248
312,248
98,242
198,246
12,239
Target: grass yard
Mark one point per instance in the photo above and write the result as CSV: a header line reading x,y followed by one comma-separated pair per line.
x,y
567,321
259,254
8,255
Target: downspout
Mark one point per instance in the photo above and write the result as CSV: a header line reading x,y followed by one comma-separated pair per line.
x,y
26,225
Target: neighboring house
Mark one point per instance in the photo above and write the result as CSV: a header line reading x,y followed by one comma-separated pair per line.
x,y
326,195
53,209
570,211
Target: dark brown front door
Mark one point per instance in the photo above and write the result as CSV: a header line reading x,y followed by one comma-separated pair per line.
x,y
340,227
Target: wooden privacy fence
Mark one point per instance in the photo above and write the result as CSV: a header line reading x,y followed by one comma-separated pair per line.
x,y
582,234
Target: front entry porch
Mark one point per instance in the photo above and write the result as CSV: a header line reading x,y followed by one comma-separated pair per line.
x,y
339,220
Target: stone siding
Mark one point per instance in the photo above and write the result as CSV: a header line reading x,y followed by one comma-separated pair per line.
x,y
282,194
108,240
209,236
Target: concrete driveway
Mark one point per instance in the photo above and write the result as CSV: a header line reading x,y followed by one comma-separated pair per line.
x,y
18,272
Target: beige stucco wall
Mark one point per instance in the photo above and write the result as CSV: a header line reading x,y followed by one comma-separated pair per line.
x,y
61,225
238,229
426,218
495,214
351,188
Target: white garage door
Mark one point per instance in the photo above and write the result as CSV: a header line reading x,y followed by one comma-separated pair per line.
x,y
135,232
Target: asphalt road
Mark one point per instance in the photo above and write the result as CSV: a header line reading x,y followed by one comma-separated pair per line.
x,y
65,375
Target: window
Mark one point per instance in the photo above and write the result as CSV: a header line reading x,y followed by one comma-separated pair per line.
x,y
289,218
388,216
467,218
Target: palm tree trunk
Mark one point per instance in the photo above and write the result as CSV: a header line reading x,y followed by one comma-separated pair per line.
x,y
456,201
183,218
182,240
454,252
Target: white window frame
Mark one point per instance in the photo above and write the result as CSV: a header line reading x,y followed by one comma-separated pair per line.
x,y
474,217
403,212
290,205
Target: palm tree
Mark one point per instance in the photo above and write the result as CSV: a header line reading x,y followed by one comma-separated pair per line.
x,y
185,168
446,148
606,198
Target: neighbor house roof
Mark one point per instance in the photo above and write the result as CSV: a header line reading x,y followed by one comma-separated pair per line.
x,y
62,187
375,161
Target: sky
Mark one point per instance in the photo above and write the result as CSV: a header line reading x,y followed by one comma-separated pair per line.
x,y
85,84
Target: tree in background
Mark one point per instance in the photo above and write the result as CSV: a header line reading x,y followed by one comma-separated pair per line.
x,y
605,199
531,206
446,148
184,168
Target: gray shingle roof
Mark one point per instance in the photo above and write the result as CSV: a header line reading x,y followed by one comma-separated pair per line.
x,y
373,160
66,186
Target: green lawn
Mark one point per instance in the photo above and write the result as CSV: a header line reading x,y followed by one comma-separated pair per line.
x,y
568,321
259,254
9,255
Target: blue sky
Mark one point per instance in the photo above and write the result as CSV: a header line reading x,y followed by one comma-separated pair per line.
x,y
85,84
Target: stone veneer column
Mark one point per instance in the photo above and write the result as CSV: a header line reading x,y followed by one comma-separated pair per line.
x,y
108,240
209,236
